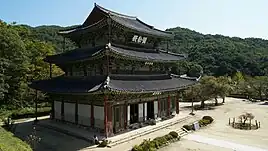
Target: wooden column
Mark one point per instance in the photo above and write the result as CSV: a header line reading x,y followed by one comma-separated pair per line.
x,y
76,112
143,113
36,105
52,101
50,70
159,107
168,105
125,117
52,109
177,104
62,110
105,115
92,115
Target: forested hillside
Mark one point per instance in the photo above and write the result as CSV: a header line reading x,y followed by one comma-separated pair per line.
x,y
222,55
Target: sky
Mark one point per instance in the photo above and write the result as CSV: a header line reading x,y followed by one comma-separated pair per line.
x,y
239,18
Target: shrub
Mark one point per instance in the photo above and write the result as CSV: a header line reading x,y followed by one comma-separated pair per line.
x,y
174,134
160,141
104,143
203,122
168,137
208,118
156,143
188,127
137,148
147,145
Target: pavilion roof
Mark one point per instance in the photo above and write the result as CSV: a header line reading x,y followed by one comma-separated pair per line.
x,y
122,83
87,53
131,22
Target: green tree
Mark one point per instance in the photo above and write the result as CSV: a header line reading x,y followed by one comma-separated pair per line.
x,y
224,86
259,86
14,55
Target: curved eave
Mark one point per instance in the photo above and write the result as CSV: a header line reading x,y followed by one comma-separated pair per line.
x,y
151,86
67,33
79,55
95,84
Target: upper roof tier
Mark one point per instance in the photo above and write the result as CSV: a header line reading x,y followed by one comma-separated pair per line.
x,y
100,14
82,54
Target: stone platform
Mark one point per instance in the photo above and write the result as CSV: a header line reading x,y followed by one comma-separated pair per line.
x,y
87,134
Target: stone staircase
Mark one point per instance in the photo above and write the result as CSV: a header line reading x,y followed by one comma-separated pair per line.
x,y
143,133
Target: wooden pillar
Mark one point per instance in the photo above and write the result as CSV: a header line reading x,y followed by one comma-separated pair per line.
x,y
105,115
52,109
76,112
177,104
125,117
168,105
52,101
92,115
50,70
62,110
143,113
159,107
36,105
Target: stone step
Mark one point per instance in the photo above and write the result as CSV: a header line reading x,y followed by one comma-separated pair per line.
x,y
123,140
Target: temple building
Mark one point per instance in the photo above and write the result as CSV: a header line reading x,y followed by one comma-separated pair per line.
x,y
118,76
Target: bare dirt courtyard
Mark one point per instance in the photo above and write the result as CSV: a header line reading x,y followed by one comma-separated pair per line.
x,y
221,137
218,136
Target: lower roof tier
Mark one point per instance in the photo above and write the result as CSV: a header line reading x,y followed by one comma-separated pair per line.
x,y
122,83
81,54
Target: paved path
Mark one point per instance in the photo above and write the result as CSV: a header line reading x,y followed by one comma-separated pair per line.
x,y
24,120
222,143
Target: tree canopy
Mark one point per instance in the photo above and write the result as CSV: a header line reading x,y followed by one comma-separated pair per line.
x,y
221,55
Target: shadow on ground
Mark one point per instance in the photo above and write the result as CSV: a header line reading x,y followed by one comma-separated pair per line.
x,y
208,106
50,140
264,103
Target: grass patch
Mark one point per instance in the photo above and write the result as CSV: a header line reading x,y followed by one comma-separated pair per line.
x,y
10,143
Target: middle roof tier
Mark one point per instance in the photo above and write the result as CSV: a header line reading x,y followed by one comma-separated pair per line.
x,y
118,51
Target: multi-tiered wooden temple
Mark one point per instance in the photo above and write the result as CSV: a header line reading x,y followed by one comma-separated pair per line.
x,y
117,77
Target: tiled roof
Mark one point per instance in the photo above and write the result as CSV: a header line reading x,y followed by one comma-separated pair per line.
x,y
133,53
127,83
130,22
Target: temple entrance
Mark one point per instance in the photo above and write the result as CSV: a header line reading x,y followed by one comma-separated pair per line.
x,y
150,110
134,113
119,118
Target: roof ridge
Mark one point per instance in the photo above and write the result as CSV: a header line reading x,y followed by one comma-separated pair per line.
x,y
81,27
113,12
